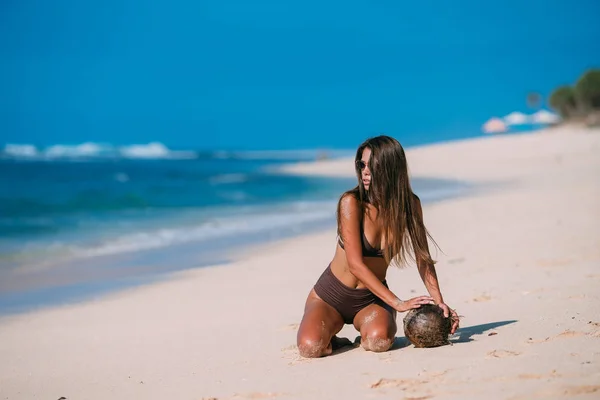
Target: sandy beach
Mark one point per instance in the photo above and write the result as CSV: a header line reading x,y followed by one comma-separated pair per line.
x,y
520,263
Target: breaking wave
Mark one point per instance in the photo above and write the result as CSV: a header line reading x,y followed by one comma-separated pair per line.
x,y
154,151
90,150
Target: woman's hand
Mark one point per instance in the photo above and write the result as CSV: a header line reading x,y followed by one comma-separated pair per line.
x,y
415,302
450,312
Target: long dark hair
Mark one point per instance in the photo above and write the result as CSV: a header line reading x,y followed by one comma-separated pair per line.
x,y
391,194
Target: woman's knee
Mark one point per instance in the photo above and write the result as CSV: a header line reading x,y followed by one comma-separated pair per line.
x,y
312,346
377,339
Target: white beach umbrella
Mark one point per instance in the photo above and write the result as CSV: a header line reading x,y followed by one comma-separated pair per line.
x,y
516,118
544,117
494,125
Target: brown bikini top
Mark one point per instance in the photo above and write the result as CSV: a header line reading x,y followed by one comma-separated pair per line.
x,y
367,249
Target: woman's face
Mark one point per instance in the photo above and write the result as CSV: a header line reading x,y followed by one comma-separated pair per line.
x,y
364,168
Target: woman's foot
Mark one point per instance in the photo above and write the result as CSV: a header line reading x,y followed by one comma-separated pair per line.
x,y
338,343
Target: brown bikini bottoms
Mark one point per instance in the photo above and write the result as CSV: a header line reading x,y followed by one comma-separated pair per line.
x,y
347,301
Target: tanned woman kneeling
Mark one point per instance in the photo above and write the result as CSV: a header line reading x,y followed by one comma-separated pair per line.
x,y
379,221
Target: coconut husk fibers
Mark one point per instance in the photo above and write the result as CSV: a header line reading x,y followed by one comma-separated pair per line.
x,y
426,326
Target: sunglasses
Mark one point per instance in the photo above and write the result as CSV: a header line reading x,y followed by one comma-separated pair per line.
x,y
360,164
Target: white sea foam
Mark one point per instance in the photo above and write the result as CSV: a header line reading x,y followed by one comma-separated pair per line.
x,y
20,150
150,150
157,150
251,223
153,150
91,150
88,149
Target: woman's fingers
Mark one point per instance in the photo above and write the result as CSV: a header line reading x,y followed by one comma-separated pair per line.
x,y
423,299
454,327
445,308
417,302
455,321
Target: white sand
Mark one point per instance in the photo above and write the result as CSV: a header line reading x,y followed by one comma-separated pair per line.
x,y
522,260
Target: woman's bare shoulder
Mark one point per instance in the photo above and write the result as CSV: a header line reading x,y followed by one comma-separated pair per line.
x,y
349,205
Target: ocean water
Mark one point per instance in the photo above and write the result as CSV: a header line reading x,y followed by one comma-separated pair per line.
x,y
93,216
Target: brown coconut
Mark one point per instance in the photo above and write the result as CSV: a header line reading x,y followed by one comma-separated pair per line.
x,y
426,326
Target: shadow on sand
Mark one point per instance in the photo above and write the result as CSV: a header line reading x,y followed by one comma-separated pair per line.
x,y
465,334
462,335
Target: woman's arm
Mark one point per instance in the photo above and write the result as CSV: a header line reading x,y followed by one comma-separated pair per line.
x,y
350,214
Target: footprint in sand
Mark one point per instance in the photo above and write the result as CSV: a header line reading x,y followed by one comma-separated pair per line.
x,y
256,395
393,383
502,353
569,333
566,334
528,292
482,298
289,327
289,348
405,385
530,376
552,374
291,354
525,377
408,384
585,389
595,333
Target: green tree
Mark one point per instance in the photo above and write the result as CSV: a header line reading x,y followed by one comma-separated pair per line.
x,y
587,90
563,101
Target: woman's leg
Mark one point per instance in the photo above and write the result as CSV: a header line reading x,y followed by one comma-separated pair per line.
x,y
319,324
377,327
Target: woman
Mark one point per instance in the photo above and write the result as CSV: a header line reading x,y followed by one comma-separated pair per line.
x,y
379,222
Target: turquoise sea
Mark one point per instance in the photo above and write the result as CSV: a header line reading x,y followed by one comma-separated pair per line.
x,y
79,220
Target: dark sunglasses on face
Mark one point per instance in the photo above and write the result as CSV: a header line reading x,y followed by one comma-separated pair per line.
x,y
360,164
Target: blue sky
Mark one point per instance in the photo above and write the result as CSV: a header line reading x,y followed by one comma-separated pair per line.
x,y
280,74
